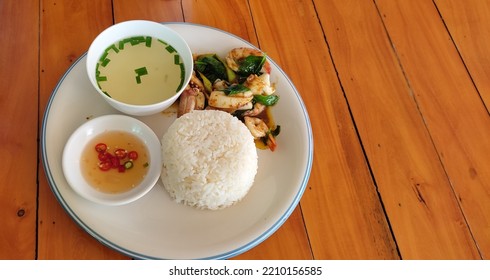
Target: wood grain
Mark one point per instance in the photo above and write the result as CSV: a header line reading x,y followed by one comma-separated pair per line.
x,y
291,241
397,93
63,41
456,118
420,203
155,10
351,224
19,28
467,23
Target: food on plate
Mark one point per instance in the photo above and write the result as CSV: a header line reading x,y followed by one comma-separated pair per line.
x,y
114,161
209,159
238,84
140,70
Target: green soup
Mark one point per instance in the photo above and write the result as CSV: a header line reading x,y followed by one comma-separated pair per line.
x,y
140,70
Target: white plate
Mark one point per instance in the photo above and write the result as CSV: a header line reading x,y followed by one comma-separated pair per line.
x,y
155,227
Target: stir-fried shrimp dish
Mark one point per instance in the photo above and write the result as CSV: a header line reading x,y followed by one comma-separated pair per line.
x,y
238,84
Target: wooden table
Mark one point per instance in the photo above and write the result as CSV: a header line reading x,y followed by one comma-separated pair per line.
x,y
397,93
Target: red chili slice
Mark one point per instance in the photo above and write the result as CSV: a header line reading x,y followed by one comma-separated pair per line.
x,y
121,169
103,156
105,165
115,162
133,155
120,153
101,147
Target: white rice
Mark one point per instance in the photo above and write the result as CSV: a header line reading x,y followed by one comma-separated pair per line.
x,y
209,159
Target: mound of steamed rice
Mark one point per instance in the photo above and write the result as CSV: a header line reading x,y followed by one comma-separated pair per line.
x,y
209,159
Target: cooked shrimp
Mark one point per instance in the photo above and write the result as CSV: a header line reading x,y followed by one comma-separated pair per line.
x,y
237,54
259,129
255,110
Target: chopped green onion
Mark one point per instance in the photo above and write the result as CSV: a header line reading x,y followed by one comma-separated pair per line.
x,y
163,42
128,164
136,40
170,49
177,59
148,41
182,75
113,47
105,62
141,71
105,92
103,57
101,78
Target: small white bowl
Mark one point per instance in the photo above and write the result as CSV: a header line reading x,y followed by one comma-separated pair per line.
x,y
75,145
129,29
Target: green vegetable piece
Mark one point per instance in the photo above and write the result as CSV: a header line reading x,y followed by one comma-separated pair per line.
x,y
112,47
176,59
207,84
105,62
235,88
170,49
276,131
182,75
105,92
251,65
163,42
121,45
128,164
211,67
101,78
230,74
103,57
136,40
267,100
148,41
141,71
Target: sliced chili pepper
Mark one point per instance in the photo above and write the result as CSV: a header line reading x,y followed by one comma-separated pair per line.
x,y
103,156
120,153
115,162
101,147
133,155
105,165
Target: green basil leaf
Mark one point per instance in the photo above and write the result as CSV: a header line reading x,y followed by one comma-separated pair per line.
x,y
251,65
236,88
211,67
267,100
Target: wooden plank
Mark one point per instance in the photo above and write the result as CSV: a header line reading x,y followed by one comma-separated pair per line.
x,y
452,108
467,22
420,203
67,28
19,23
155,10
231,16
352,224
290,241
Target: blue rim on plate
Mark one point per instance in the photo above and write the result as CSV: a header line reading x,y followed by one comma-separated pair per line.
x,y
134,254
